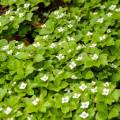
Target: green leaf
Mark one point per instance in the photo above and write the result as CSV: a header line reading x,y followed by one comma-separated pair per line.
x,y
114,112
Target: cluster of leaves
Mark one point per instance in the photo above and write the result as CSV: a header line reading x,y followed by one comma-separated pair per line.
x,y
70,72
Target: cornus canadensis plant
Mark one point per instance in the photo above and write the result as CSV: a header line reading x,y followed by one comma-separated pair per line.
x,y
70,71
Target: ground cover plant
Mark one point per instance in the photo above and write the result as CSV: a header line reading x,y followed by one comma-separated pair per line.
x,y
59,60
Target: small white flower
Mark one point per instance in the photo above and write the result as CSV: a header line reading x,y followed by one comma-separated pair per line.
x,y
84,115
76,95
70,26
93,45
53,45
21,15
79,58
94,57
60,56
106,84
20,46
12,18
9,92
67,90
7,12
105,91
117,10
1,108
70,38
84,105
35,102
44,78
93,83
69,51
60,29
89,33
94,90
6,47
83,87
37,44
14,83
45,37
22,85
113,66
60,15
65,99
26,5
112,7
72,65
74,77
102,37
108,30
10,52
109,14
100,20
77,18
8,110
79,47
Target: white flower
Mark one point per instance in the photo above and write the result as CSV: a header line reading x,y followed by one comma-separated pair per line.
x,y
83,87
44,78
113,66
8,110
45,37
26,5
35,102
85,105
12,18
22,85
67,90
109,14
105,91
6,47
7,12
65,99
9,92
108,30
77,18
84,115
72,65
70,38
70,26
94,57
93,45
21,15
79,47
20,46
100,20
60,56
76,95
53,45
102,37
93,82
79,58
94,90
89,33
60,29
1,108
14,83
69,51
106,84
74,77
60,15
37,44
9,52
112,7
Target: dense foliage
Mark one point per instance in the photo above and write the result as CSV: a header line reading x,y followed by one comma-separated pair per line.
x,y
70,70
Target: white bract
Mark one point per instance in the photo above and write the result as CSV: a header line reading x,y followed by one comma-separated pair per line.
x,y
74,77
105,91
22,85
102,37
93,83
26,5
83,87
60,29
84,115
106,84
60,56
35,101
89,33
94,90
94,57
100,20
8,110
53,45
84,105
72,65
76,95
44,78
112,7
65,99
108,30
109,14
